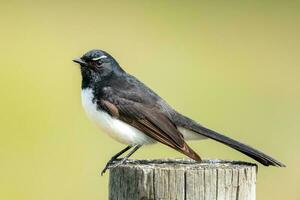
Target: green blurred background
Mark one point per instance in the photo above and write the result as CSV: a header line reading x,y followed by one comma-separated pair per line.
x,y
231,65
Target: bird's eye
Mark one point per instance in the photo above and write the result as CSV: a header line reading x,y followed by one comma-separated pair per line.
x,y
97,63
99,60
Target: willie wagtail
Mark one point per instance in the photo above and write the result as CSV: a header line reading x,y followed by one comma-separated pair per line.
x,y
134,115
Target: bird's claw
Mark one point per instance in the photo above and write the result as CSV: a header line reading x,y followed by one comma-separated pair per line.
x,y
107,166
112,164
104,170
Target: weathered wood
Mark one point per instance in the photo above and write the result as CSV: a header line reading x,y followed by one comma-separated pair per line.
x,y
183,180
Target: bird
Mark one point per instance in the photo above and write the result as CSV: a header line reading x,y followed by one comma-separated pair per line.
x,y
133,114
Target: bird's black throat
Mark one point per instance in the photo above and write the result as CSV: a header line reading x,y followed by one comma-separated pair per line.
x,y
93,77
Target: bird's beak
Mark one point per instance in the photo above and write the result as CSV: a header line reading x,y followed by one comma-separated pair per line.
x,y
79,61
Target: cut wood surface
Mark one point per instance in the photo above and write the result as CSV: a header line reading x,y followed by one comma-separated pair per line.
x,y
183,179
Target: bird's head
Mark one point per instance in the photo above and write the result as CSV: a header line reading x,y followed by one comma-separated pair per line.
x,y
96,64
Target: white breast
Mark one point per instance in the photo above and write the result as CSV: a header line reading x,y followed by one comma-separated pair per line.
x,y
115,128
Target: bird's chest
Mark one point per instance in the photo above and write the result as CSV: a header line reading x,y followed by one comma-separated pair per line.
x,y
117,129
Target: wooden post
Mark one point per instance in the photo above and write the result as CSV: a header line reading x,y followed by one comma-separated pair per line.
x,y
182,180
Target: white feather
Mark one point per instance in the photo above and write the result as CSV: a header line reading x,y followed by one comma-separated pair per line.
x,y
190,135
98,58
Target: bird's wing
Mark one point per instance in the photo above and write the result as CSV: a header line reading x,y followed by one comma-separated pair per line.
x,y
149,120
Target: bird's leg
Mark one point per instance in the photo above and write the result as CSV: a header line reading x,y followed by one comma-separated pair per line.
x,y
115,157
126,157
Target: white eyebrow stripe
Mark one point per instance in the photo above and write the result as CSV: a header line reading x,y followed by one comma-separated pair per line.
x,y
98,58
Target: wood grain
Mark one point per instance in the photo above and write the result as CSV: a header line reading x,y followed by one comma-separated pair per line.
x,y
183,180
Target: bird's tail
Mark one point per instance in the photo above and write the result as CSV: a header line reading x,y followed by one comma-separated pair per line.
x,y
243,148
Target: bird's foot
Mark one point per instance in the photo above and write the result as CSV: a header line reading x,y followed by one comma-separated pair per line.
x,y
107,166
113,163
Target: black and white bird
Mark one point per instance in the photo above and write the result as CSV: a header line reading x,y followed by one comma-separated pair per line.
x,y
133,114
